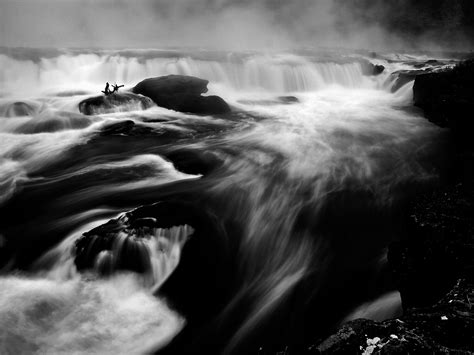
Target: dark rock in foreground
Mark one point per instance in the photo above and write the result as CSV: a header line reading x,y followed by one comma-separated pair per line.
x,y
439,248
445,327
181,93
434,271
117,102
447,97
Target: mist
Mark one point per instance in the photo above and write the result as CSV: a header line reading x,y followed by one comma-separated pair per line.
x,y
237,24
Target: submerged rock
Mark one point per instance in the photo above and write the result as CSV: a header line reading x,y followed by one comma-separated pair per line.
x,y
181,93
280,100
117,102
127,128
20,108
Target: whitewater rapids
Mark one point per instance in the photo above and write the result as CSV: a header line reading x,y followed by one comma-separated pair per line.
x,y
281,166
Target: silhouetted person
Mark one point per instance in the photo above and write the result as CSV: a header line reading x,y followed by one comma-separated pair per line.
x,y
116,87
107,90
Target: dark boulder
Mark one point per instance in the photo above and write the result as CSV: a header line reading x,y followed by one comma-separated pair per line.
x,y
438,248
117,102
378,69
203,263
433,269
193,103
194,162
181,93
171,85
447,97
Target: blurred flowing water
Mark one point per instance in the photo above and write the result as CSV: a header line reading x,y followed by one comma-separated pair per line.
x,y
308,192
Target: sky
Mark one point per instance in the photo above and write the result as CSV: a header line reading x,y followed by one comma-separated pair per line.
x,y
237,24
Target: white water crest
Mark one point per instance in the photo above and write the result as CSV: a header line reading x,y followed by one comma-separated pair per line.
x,y
257,72
334,140
58,310
114,316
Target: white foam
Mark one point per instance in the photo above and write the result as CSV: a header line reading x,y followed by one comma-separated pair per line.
x,y
113,316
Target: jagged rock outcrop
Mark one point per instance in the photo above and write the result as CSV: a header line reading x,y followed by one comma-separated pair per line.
x,y
447,97
439,246
445,327
117,102
433,268
181,93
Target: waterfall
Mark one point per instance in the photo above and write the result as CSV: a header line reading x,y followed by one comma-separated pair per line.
x,y
259,72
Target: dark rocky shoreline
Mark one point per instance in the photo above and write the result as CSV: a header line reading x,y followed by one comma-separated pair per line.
x,y
433,265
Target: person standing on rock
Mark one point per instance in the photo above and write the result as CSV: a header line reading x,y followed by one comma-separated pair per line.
x,y
107,90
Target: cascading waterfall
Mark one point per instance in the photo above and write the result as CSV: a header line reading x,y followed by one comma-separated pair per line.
x,y
289,176
273,73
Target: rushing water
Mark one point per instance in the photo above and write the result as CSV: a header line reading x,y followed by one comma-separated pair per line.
x,y
307,194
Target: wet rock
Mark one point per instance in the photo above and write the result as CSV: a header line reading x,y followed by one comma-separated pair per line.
x,y
95,249
20,108
403,77
280,100
203,262
171,85
181,93
127,128
438,248
54,121
447,97
194,162
378,69
118,102
433,269
288,99
445,327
